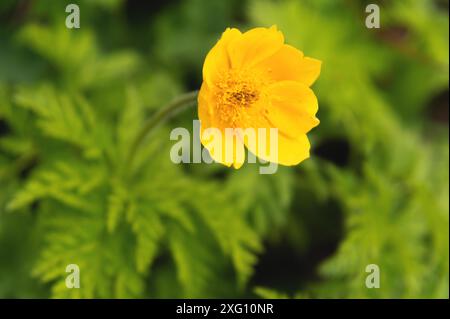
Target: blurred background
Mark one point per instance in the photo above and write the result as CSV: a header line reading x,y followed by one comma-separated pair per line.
x,y
375,190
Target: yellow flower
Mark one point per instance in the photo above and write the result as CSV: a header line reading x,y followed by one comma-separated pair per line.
x,y
255,80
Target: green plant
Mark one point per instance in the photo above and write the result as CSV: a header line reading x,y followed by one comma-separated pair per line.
x,y
72,103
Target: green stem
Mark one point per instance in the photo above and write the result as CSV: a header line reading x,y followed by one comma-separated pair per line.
x,y
162,114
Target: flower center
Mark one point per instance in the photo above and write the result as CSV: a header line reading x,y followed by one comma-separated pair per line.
x,y
237,91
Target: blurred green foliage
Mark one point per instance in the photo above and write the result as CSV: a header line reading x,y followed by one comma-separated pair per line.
x,y
375,190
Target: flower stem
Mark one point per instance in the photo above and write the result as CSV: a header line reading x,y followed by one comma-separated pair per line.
x,y
162,114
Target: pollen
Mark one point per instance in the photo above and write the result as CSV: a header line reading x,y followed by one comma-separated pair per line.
x,y
237,92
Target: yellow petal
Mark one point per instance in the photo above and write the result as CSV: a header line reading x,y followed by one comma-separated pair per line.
x,y
310,70
292,151
205,109
254,46
291,108
217,60
282,150
288,63
223,145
